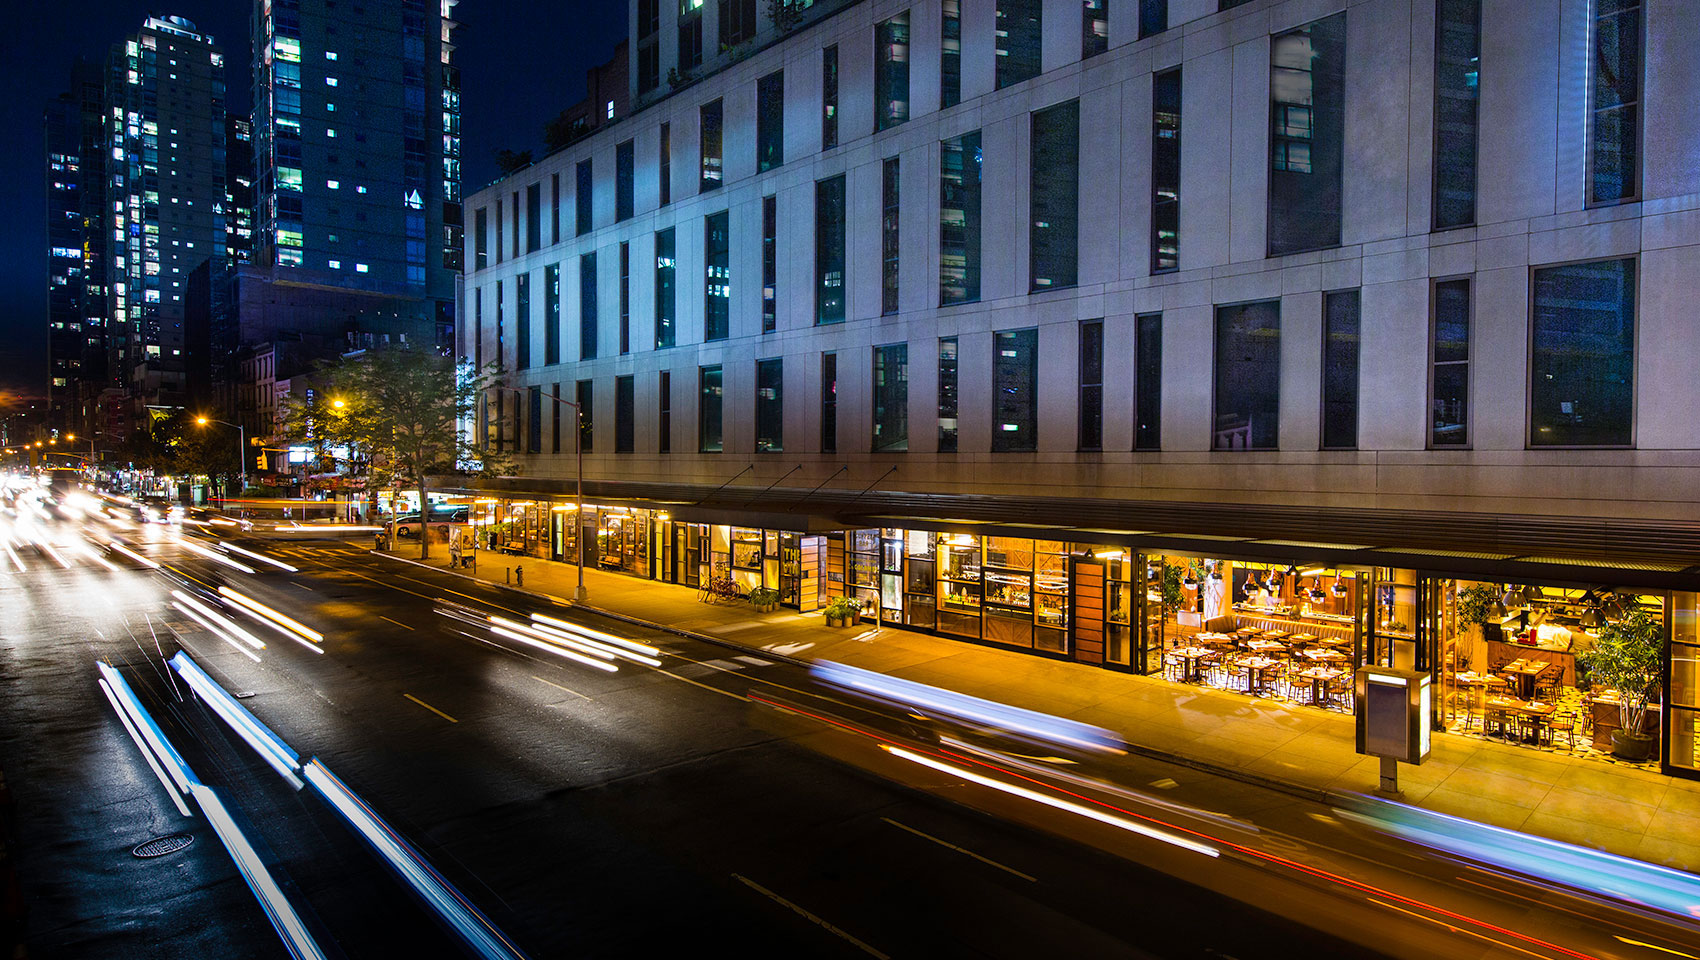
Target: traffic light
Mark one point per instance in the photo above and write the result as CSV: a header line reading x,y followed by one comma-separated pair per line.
x,y
259,461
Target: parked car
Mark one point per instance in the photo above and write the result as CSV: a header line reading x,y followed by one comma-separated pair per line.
x,y
407,525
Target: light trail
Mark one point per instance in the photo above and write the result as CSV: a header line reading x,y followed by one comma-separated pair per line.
x,y
555,649
213,555
258,556
267,744
133,555
287,625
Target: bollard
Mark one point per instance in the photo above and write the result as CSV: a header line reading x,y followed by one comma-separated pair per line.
x,y
507,575
519,575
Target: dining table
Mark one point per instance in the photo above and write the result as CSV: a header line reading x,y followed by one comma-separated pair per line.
x,y
1257,669
1319,676
1262,645
1324,656
1525,672
1189,658
1535,713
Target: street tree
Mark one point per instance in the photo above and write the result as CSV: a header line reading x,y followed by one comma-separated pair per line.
x,y
399,412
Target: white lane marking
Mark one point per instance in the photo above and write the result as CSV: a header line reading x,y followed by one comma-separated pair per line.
x,y
951,846
559,687
754,661
776,898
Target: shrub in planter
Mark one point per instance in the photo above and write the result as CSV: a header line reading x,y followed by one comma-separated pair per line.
x,y
842,611
764,599
1627,656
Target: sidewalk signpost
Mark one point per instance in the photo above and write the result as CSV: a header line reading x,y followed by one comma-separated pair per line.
x,y
1392,719
580,594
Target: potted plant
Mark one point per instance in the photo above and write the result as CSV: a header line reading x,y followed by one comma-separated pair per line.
x,y
764,599
839,611
1626,656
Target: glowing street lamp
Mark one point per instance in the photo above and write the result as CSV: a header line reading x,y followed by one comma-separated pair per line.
x,y
241,438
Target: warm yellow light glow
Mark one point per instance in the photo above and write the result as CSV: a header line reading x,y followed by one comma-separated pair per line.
x,y
338,404
201,421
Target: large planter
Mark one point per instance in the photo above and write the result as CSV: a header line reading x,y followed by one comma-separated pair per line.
x,y
1632,746
835,621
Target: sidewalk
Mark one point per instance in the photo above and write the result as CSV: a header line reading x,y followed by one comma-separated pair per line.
x,y
1550,793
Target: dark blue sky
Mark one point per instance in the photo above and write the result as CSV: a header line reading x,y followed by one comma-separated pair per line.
x,y
522,61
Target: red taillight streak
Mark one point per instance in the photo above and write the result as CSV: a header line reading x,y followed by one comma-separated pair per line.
x,y
1248,851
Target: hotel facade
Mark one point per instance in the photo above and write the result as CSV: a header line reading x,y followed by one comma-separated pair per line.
x,y
1088,328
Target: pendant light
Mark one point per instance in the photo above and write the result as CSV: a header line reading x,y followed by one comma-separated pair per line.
x,y
1339,588
1591,619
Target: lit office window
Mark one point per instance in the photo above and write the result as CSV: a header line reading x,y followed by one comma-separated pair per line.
x,y
1457,65
770,406
950,54
1308,117
769,264
717,278
1166,171
890,250
1614,134
829,250
709,401
947,394
1340,370
1449,377
624,413
1148,382
1019,41
891,398
891,72
1091,385
708,142
1248,377
552,314
1054,224
1095,28
666,308
625,161
829,97
1582,374
582,198
959,219
770,121
1015,375
587,306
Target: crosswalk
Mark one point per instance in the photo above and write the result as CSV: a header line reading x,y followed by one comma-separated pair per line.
x,y
310,553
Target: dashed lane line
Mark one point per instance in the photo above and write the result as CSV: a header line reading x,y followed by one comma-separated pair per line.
x,y
776,898
430,708
965,852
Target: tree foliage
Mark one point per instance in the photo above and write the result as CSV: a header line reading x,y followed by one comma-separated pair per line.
x,y
509,161
172,443
400,416
1628,655
564,129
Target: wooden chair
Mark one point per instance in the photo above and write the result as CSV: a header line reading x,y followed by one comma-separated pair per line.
x,y
1566,723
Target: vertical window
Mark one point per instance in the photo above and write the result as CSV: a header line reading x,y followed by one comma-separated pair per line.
x,y
1614,133
1094,28
1449,378
708,139
1582,344
624,162
534,420
769,264
666,164
481,251
624,412
947,395
1308,119
1015,372
829,403
582,197
717,277
649,66
1340,370
1248,376
829,250
1153,17
1166,171
586,423
516,248
554,208
555,419
501,331
533,217
664,413
552,314
498,228
625,298
737,22
665,294
950,54
959,219
522,312
770,406
770,121
1019,41
829,97
587,306
690,43
891,397
1148,382
889,252
1092,385
709,438
478,329
1054,227
891,72
1457,62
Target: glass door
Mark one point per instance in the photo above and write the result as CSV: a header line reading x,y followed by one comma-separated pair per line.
x,y
1682,713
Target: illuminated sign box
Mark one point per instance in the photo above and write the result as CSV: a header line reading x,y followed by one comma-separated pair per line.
x,y
1393,711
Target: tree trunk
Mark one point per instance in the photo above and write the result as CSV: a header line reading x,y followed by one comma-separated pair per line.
x,y
424,522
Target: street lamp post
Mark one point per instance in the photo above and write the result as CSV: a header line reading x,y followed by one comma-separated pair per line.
x,y
580,594
241,438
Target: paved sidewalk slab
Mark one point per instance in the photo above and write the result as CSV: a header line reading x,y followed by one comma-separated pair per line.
x,y
1622,810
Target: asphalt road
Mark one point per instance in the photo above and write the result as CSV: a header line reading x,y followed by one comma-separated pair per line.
x,y
586,813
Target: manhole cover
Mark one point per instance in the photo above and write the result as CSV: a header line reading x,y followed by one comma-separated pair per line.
x,y
160,846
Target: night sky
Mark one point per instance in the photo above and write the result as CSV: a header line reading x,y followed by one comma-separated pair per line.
x,y
521,61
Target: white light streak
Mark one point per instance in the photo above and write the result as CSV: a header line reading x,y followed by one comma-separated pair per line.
x,y
268,745
258,556
288,624
277,906
555,649
133,555
214,555
214,628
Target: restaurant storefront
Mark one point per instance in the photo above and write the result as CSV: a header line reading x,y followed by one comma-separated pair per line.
x,y
1507,658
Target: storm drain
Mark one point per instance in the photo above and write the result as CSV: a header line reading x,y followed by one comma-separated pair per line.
x,y
160,846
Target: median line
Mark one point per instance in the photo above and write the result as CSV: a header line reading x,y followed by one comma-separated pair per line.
x,y
776,898
396,622
965,852
559,687
430,708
